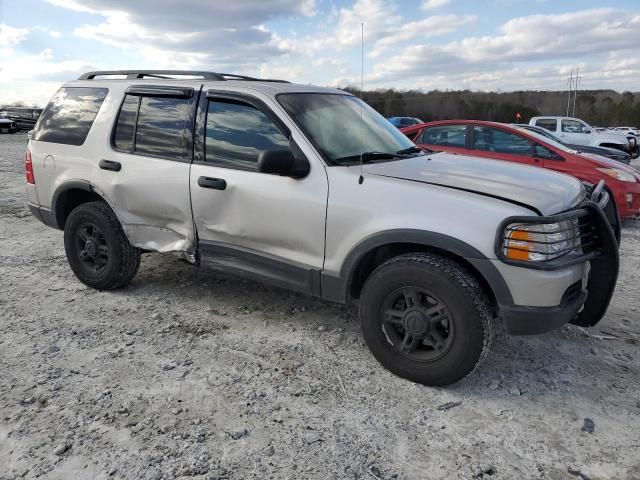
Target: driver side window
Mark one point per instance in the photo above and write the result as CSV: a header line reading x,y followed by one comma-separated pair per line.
x,y
573,126
237,132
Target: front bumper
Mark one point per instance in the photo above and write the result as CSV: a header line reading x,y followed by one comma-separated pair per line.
x,y
534,320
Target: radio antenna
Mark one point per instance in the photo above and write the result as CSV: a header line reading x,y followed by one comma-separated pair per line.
x,y
361,178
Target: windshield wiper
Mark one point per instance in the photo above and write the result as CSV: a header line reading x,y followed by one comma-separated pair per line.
x,y
368,157
409,150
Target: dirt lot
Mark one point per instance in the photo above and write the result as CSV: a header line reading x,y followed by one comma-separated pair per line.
x,y
187,373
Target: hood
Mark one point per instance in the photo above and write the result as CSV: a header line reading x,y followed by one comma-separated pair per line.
x,y
599,161
543,190
618,137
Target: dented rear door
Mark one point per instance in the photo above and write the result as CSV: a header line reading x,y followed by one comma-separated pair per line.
x,y
145,173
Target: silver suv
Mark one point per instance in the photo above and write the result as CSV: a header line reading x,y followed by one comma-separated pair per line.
x,y
310,189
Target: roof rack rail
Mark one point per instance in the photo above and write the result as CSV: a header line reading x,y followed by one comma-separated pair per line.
x,y
168,74
133,74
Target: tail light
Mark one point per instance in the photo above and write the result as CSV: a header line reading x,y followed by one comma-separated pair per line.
x,y
28,168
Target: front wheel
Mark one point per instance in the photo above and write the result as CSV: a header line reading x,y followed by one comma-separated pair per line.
x,y
425,318
97,249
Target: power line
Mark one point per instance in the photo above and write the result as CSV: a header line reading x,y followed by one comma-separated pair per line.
x,y
570,80
575,95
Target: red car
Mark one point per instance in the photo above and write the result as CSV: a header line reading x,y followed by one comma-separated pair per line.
x,y
514,144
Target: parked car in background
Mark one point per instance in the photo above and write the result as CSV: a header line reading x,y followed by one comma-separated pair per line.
x,y
631,130
612,153
25,118
404,121
513,144
7,126
578,132
310,189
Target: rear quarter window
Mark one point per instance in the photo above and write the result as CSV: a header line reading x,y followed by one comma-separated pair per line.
x,y
69,115
548,124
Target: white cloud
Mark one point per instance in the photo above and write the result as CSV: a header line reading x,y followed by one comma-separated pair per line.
x,y
524,40
433,4
425,28
55,34
12,35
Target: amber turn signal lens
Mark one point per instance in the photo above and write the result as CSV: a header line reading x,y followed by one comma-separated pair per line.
x,y
518,246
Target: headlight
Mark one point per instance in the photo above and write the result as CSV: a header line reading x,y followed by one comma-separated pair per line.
x,y
541,242
618,174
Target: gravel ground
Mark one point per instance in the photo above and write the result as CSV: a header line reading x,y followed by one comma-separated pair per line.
x,y
191,374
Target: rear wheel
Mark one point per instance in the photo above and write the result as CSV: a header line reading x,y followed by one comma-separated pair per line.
x,y
425,318
97,249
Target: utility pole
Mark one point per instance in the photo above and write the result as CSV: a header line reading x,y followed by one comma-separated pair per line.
x,y
575,95
570,86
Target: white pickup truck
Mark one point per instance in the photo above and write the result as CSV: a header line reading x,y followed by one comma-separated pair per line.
x,y
578,132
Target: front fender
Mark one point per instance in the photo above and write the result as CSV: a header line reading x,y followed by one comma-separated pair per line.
x,y
336,288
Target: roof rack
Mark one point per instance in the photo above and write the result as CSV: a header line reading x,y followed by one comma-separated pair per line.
x,y
169,74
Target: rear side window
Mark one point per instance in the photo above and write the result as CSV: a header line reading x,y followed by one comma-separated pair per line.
x,y
69,115
152,126
549,124
490,139
543,152
445,135
236,134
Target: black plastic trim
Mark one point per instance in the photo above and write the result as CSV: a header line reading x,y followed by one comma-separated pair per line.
x,y
260,266
336,287
133,74
73,184
45,216
535,320
160,91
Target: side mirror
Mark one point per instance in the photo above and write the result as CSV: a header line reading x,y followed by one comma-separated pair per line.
x,y
586,131
284,163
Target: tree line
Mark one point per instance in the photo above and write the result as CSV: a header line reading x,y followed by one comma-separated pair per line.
x,y
597,107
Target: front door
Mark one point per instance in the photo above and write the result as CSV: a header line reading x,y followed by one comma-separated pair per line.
x,y
267,227
575,132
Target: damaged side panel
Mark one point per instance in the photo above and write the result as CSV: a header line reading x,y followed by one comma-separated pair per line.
x,y
153,204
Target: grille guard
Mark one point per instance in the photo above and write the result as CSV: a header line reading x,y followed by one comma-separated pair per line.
x,y
604,258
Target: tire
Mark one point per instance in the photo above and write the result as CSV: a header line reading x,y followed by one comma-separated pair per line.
x,y
445,317
97,249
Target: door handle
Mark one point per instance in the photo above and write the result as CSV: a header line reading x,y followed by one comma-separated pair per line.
x,y
110,165
215,183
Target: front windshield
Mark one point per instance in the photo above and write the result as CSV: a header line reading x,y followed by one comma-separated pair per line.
x,y
332,122
548,140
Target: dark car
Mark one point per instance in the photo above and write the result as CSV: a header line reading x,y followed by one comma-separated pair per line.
x,y
401,122
25,118
612,153
7,126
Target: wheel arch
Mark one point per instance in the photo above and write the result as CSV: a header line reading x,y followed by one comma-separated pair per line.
x,y
68,196
378,248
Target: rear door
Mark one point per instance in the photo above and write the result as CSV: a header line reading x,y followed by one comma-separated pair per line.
x,y
145,170
492,142
449,138
550,124
267,227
